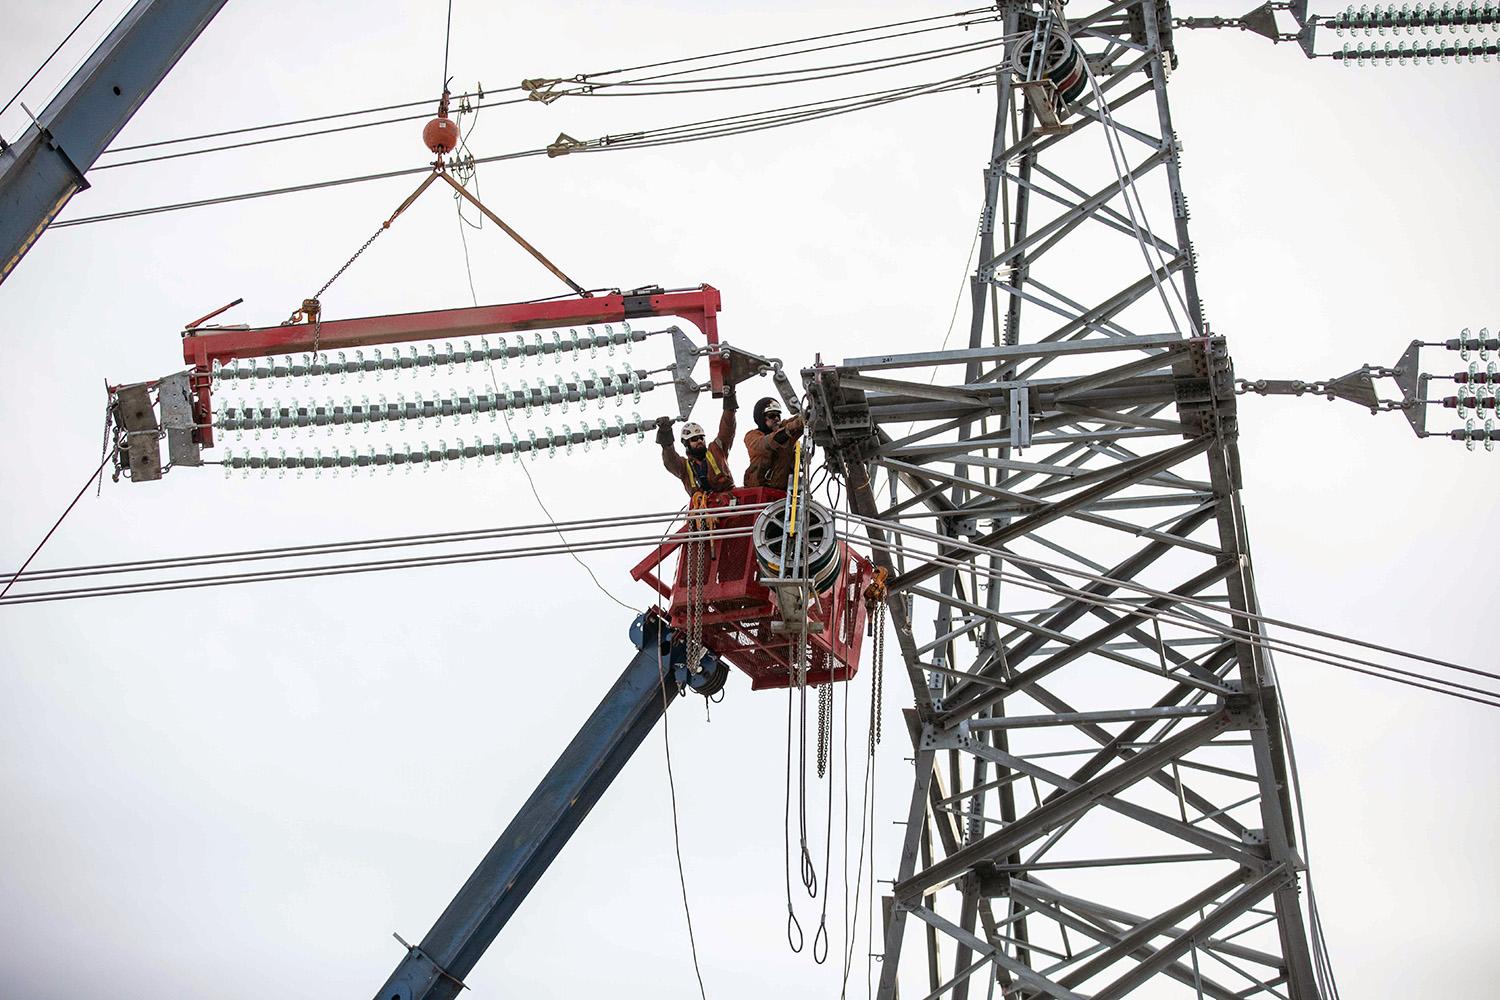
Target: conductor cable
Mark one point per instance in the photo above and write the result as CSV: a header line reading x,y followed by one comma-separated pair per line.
x,y
362,545
950,542
374,566
1373,669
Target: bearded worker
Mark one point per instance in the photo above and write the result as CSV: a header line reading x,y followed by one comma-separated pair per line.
x,y
771,446
705,469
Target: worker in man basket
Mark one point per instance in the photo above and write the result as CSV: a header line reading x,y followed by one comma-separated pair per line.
x,y
705,469
772,446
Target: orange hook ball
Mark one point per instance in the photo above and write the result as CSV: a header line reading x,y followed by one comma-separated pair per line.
x,y
440,135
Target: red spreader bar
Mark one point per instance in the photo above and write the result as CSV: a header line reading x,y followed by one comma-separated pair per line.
x,y
201,348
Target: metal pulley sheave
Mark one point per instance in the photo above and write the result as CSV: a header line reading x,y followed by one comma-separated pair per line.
x,y
810,552
1053,57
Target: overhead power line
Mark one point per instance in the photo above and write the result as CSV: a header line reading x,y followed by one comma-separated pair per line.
x,y
425,102
809,74
1333,658
1180,619
274,192
1007,554
1122,606
760,122
356,545
672,88
579,78
52,55
753,122
793,41
372,566
296,135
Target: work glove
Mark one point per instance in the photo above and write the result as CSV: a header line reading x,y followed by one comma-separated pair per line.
x,y
664,431
790,428
731,402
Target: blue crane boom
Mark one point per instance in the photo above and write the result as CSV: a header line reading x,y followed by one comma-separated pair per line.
x,y
45,167
435,968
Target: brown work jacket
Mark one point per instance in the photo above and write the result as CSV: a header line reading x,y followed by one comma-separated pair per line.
x,y
716,462
771,457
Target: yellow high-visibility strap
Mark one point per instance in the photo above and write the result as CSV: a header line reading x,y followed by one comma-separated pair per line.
x,y
796,482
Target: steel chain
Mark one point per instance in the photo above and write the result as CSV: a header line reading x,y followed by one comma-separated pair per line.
x,y
825,718
1298,388
695,604
317,298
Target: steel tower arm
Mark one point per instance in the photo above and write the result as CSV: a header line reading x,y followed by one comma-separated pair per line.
x,y
435,969
45,167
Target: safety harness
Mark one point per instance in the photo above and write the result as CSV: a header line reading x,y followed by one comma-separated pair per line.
x,y
713,468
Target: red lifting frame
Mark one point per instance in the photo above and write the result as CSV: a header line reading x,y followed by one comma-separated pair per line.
x,y
201,348
738,611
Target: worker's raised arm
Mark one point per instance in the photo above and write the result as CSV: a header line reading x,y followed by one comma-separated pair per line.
x,y
766,447
669,457
725,440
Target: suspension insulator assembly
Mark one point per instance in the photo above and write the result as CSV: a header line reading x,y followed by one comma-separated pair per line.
x,y
425,457
295,415
1471,435
1399,53
320,366
1416,18
1464,343
1475,402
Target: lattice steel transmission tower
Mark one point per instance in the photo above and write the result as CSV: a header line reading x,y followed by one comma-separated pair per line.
x,y
1102,804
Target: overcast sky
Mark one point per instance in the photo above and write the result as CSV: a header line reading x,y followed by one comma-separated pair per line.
x,y
241,792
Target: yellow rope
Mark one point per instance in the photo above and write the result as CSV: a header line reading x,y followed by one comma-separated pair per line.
x,y
796,483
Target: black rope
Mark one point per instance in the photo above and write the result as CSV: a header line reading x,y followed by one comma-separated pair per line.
x,y
50,57
666,741
792,924
66,511
447,38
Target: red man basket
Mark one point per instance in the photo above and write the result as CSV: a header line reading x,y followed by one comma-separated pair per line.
x,y
739,614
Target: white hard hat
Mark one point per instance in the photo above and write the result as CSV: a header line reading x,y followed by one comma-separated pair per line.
x,y
689,431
